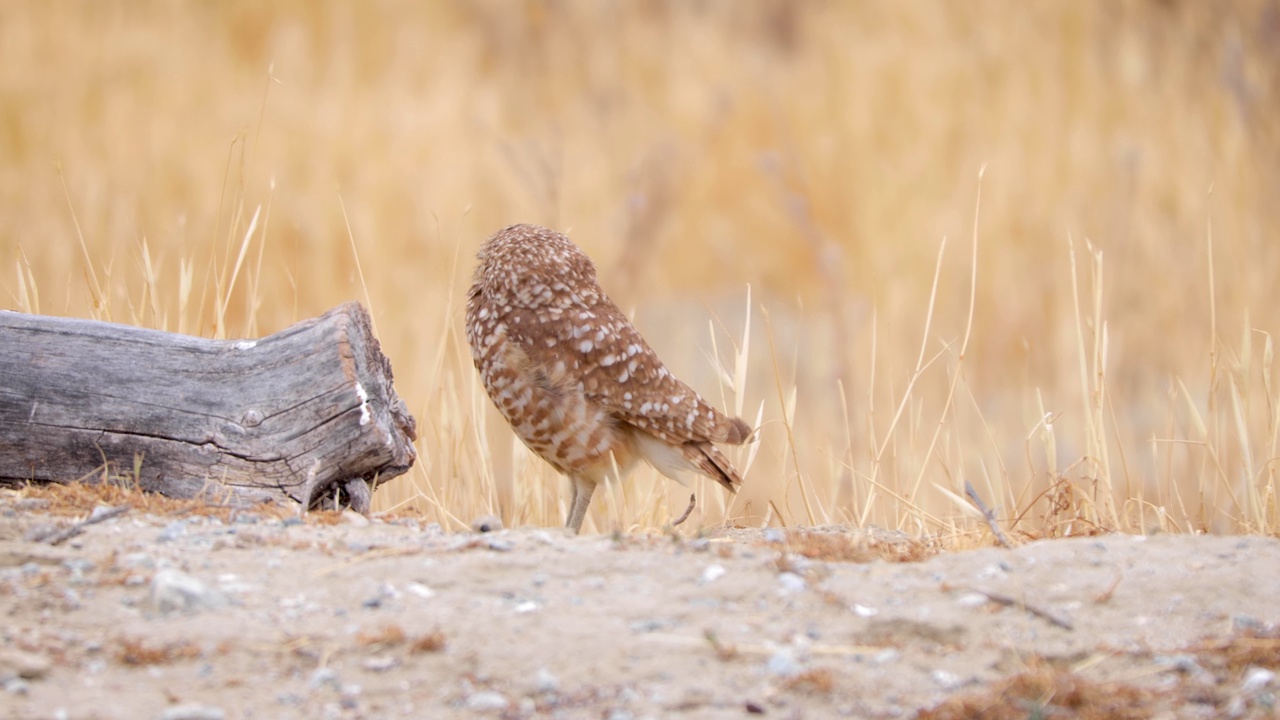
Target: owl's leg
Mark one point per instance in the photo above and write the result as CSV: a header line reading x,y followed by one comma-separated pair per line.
x,y
582,491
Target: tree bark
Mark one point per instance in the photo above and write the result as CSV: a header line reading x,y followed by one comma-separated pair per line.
x,y
308,413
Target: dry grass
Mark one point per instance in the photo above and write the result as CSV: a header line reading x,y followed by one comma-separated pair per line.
x,y
138,652
391,635
1050,692
1053,689
1090,345
387,635
859,547
433,641
820,681
80,499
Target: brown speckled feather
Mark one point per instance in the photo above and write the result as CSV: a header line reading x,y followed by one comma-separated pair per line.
x,y
572,375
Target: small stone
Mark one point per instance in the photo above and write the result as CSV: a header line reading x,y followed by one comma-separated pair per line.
x,y
175,590
947,680
992,572
774,536
232,584
418,589
620,714
790,582
380,663
527,606
1257,678
40,532
1244,623
17,686
172,531
78,566
192,711
138,561
487,523
545,681
649,625
25,665
501,545
1183,663
354,519
487,701
386,593
712,573
885,656
864,611
323,676
783,663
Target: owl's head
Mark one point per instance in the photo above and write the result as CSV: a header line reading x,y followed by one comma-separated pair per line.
x,y
519,258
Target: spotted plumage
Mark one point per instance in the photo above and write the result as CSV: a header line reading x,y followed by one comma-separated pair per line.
x,y
574,378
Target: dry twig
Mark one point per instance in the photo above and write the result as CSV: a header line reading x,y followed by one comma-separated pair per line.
x,y
54,536
1010,601
988,514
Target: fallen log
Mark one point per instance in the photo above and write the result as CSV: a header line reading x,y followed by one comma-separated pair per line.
x,y
308,413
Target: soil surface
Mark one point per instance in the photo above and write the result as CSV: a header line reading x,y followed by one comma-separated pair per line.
x,y
152,615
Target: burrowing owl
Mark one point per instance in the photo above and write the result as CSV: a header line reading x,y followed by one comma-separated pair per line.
x,y
576,381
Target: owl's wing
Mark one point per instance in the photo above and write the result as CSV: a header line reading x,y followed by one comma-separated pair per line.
x,y
621,373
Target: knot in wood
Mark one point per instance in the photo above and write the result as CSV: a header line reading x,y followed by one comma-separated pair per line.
x,y
252,418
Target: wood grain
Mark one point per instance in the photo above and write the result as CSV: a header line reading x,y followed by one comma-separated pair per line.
x,y
303,412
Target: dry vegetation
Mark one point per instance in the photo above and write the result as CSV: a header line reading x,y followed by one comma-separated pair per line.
x,y
1048,689
1090,344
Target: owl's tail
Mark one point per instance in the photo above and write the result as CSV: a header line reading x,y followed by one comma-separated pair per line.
x,y
711,462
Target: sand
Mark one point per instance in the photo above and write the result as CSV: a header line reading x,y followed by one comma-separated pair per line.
x,y
255,616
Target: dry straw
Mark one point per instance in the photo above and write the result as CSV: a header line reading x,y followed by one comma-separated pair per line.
x,y
1099,358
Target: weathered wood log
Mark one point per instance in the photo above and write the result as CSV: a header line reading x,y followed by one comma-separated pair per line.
x,y
309,412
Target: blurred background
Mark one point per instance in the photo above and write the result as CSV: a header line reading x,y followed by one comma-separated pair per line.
x,y
1116,315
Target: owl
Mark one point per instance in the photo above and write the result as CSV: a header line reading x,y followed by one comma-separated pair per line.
x,y
574,378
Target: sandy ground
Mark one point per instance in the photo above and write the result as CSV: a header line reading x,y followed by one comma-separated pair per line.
x,y
252,616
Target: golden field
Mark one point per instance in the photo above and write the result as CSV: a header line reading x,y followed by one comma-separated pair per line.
x,y
1029,247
